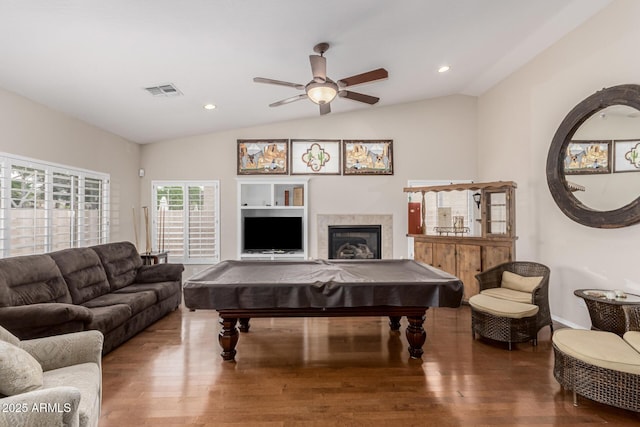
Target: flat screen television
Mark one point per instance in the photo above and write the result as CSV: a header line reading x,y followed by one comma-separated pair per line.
x,y
277,233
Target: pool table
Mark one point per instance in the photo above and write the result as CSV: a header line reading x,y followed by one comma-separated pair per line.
x,y
241,290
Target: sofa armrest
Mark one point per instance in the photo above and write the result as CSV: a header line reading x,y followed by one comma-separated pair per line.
x,y
58,351
59,408
159,273
35,320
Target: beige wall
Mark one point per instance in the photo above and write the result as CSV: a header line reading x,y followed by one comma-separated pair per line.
x,y
433,139
517,120
32,130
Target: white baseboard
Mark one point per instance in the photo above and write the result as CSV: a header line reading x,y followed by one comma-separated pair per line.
x,y
568,324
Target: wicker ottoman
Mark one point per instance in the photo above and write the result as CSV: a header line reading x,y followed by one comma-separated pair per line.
x,y
503,320
599,365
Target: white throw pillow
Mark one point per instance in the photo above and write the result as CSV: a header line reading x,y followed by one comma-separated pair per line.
x,y
520,283
19,371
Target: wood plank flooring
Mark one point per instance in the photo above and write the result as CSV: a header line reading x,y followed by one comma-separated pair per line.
x,y
337,371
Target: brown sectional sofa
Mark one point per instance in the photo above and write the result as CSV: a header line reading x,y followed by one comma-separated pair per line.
x,y
104,288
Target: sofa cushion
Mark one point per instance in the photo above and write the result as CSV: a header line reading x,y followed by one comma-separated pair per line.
x,y
519,283
121,261
163,290
502,308
87,378
598,348
8,337
83,272
633,339
31,279
508,294
106,319
137,301
19,371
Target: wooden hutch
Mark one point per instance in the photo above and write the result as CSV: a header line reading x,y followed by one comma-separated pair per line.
x,y
464,256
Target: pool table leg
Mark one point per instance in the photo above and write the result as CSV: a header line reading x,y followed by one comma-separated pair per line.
x,y
394,322
228,338
416,336
244,324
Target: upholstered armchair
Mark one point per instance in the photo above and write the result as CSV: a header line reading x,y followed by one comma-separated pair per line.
x,y
51,381
513,304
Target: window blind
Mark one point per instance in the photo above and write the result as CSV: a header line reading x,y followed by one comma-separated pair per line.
x,y
185,220
46,207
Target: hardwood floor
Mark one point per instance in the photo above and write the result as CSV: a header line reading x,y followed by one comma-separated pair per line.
x,y
336,371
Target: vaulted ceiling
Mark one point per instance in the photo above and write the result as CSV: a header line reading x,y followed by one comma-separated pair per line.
x,y
93,59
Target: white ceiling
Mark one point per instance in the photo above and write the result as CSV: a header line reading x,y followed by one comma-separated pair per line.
x,y
91,59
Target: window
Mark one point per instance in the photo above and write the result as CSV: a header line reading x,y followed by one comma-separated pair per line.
x,y
442,207
185,220
46,207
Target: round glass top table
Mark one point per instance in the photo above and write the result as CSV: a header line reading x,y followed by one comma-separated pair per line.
x,y
607,314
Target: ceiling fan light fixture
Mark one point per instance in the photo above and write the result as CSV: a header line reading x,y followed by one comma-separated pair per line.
x,y
322,93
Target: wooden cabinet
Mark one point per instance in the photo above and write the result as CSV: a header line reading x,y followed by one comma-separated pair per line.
x,y
466,256
468,264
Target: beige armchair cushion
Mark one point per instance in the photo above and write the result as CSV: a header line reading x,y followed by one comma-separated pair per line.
x,y
599,348
502,308
519,283
633,339
19,371
86,378
508,294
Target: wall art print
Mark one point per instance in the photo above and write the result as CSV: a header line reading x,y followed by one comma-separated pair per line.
x,y
626,157
367,157
315,157
263,157
587,157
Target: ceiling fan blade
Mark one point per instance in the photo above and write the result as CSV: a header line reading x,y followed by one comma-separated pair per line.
x,y
361,97
325,109
318,68
278,82
369,76
289,100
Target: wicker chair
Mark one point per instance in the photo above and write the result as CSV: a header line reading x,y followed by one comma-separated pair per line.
x,y
588,373
507,329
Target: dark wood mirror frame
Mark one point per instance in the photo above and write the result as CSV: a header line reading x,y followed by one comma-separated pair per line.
x,y
629,214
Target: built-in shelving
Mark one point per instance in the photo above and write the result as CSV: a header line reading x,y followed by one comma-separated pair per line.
x,y
272,197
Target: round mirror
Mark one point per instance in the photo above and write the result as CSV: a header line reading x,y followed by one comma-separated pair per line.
x,y
593,167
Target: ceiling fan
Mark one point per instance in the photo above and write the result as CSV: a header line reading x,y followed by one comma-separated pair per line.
x,y
321,89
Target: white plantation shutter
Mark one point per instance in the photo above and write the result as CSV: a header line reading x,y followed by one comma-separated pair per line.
x,y
46,207
185,220
93,221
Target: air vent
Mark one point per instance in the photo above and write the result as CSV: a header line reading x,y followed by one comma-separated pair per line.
x,y
163,90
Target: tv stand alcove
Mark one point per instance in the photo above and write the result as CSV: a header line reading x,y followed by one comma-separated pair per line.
x,y
272,197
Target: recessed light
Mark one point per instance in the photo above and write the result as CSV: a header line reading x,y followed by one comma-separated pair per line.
x,y
210,107
444,69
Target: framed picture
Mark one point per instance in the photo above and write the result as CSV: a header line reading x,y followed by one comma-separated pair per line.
x,y
263,157
315,157
587,157
367,157
626,156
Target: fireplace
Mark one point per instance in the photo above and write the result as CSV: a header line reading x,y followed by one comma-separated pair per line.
x,y
355,242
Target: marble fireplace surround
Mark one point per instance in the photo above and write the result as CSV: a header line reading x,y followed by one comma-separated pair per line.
x,y
323,222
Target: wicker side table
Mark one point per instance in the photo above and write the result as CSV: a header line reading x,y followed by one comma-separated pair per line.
x,y
607,314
